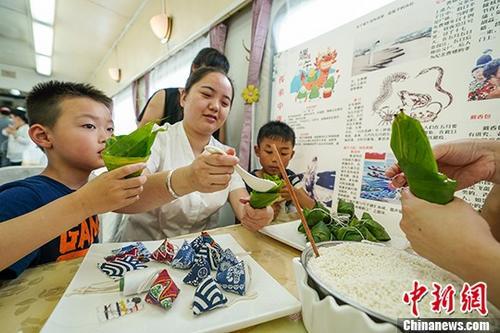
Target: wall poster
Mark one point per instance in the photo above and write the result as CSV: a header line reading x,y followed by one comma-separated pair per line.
x,y
438,59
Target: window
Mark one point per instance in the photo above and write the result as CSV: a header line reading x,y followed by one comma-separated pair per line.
x,y
300,21
174,71
123,112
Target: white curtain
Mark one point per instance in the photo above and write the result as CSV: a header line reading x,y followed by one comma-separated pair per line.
x,y
174,71
123,112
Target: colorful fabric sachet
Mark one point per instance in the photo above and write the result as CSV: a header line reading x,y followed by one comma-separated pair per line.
x,y
163,291
233,279
207,239
199,271
120,308
165,253
210,254
204,238
208,296
118,267
227,259
137,250
184,258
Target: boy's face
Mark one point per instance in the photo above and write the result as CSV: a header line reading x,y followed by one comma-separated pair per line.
x,y
80,133
267,158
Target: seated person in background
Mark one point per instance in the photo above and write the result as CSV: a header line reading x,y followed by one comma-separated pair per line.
x,y
282,135
18,137
53,216
164,104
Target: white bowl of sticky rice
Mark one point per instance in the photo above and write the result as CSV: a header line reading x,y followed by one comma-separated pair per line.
x,y
373,278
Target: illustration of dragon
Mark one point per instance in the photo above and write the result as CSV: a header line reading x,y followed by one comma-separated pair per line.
x,y
420,105
322,65
424,101
317,80
386,89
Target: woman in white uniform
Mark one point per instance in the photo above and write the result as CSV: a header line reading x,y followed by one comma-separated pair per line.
x,y
198,183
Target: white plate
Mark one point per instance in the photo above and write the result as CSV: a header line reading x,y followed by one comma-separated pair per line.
x,y
287,233
78,313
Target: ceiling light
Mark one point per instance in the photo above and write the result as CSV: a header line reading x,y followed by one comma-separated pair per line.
x,y
43,36
43,10
161,25
43,64
15,92
115,74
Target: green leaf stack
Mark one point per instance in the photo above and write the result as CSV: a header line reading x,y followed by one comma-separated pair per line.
x,y
129,149
325,227
414,154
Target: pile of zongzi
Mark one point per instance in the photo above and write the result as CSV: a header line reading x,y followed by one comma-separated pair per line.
x,y
342,226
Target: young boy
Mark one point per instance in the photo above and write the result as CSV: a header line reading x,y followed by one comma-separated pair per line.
x,y
52,216
282,135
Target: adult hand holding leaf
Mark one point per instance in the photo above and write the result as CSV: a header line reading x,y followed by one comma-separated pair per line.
x,y
414,153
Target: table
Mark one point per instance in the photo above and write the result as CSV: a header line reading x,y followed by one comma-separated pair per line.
x,y
27,302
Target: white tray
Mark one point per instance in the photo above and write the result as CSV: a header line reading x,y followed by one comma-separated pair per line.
x,y
287,233
78,313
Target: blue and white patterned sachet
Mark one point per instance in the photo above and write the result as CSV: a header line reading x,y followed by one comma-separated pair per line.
x,y
199,271
208,296
210,254
227,259
233,279
118,267
184,258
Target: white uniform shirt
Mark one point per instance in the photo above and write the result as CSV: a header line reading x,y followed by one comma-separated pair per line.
x,y
190,213
18,143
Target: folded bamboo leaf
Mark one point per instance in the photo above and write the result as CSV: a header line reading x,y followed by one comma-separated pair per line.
x,y
132,148
414,154
263,199
375,228
349,234
345,207
320,232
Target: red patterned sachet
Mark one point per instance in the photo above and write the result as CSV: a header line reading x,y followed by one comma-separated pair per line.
x,y
163,291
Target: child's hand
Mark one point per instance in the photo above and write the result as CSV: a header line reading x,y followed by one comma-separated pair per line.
x,y
111,190
276,209
285,194
255,219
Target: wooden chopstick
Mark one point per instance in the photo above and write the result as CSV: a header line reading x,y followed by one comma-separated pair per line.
x,y
295,201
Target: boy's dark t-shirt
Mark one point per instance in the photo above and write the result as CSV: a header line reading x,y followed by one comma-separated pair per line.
x,y
23,196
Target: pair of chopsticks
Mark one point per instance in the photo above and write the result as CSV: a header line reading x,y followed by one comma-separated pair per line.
x,y
291,189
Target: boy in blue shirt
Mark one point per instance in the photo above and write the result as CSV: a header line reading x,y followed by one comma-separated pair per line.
x,y
283,136
53,216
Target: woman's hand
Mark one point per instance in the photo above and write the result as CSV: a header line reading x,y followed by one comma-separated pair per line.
x,y
212,172
448,235
111,190
255,219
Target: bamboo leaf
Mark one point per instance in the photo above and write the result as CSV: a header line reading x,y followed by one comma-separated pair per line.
x,y
414,154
